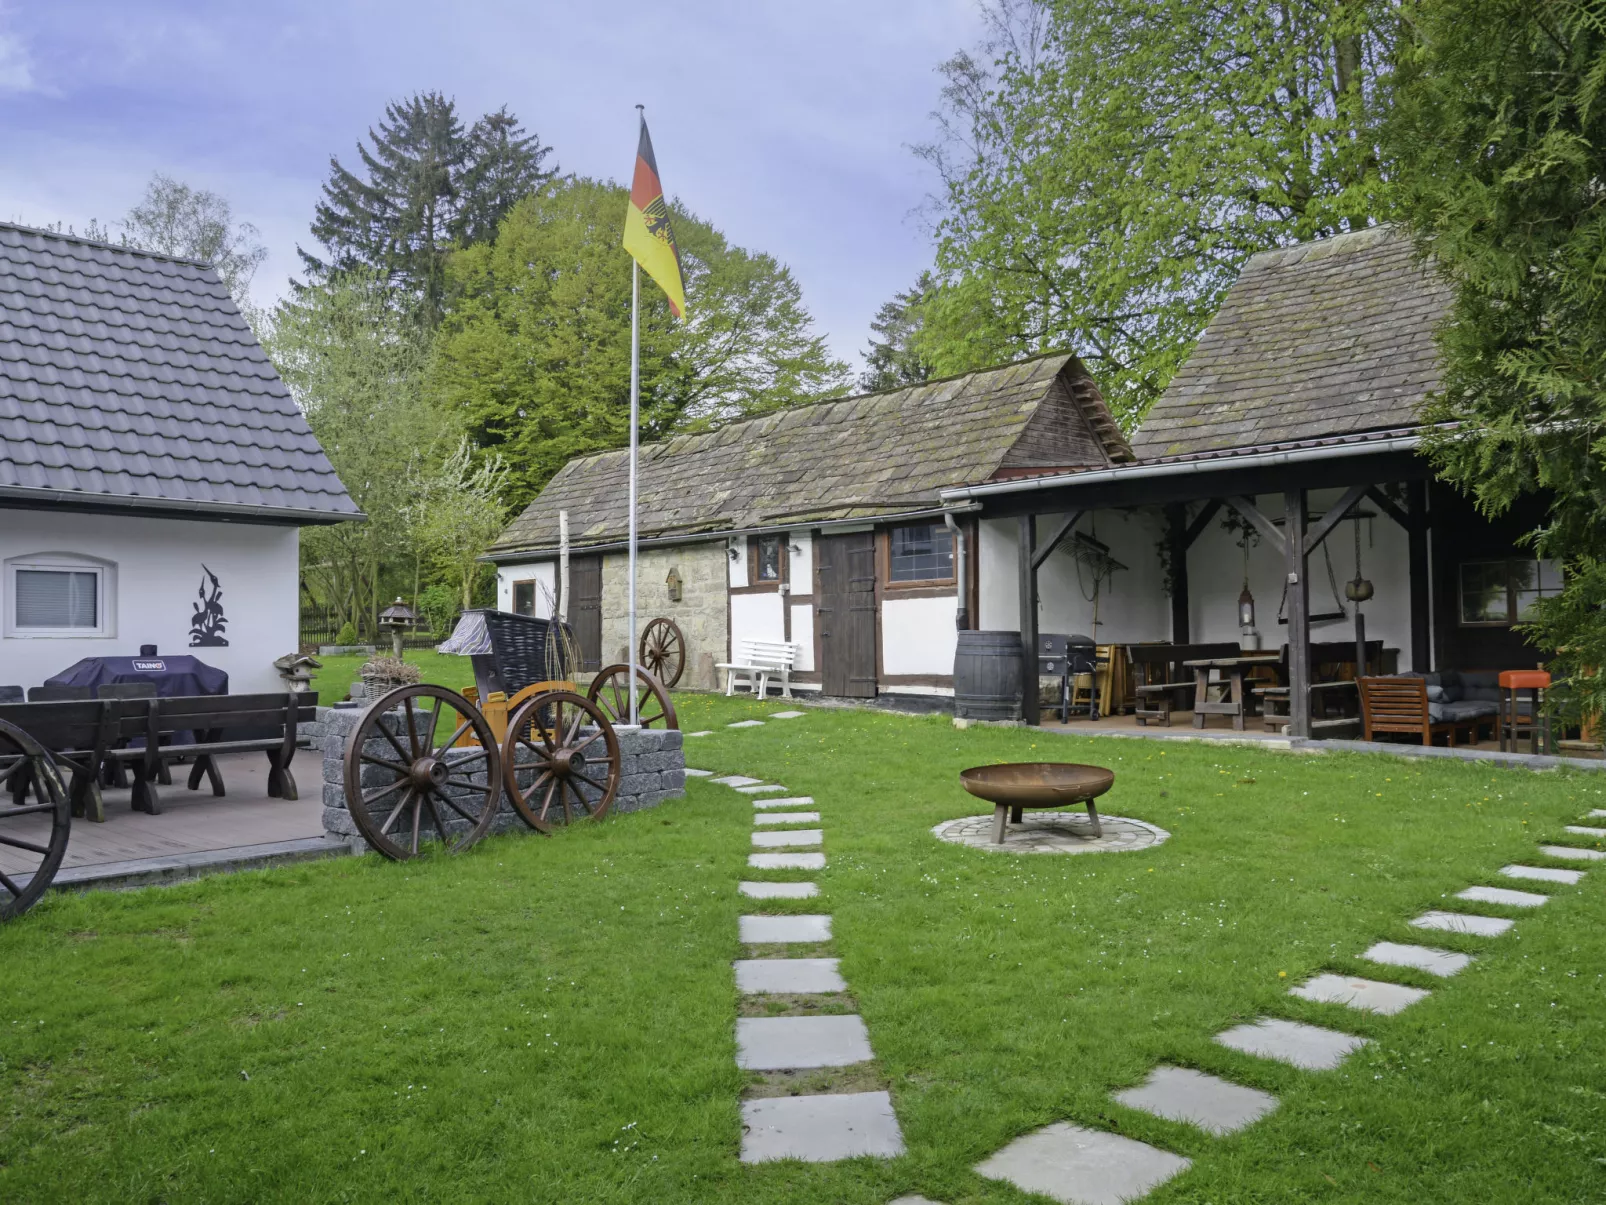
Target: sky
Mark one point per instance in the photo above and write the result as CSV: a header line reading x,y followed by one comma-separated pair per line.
x,y
788,126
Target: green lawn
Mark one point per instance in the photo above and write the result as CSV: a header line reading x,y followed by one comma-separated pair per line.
x,y
334,680
551,1020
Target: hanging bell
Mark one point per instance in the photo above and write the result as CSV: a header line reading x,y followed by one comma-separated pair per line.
x,y
1359,590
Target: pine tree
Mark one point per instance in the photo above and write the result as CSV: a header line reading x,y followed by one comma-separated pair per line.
x,y
503,166
895,359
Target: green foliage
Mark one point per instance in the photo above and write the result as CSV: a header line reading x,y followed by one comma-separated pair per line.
x,y
458,512
534,358
1109,165
894,358
1502,143
175,219
347,634
440,604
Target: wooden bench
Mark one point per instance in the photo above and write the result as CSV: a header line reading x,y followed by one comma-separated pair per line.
x,y
1160,679
760,661
79,733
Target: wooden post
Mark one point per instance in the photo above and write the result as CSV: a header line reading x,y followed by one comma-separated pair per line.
x,y
1416,501
563,566
1298,615
1028,621
1176,515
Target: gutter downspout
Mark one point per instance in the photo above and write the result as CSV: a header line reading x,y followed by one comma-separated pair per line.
x,y
961,582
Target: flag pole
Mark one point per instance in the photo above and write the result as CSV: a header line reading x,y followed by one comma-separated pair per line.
x,y
635,415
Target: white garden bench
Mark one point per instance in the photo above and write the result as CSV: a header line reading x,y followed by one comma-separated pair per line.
x,y
760,661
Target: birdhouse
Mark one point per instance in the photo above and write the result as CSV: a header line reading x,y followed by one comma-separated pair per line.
x,y
398,619
672,584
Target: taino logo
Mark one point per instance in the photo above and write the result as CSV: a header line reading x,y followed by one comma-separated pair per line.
x,y
159,667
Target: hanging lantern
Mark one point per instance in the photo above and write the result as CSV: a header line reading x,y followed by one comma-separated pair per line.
x,y
1246,609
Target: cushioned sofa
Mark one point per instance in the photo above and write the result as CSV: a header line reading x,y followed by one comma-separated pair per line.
x,y
1457,704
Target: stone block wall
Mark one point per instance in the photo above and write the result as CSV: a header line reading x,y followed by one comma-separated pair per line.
x,y
652,769
702,611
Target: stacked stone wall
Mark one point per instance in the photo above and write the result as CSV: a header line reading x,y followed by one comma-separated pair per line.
x,y
701,613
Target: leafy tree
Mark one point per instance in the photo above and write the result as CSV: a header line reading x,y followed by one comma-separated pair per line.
x,y
175,219
426,185
458,512
534,358
1108,166
895,358
1501,143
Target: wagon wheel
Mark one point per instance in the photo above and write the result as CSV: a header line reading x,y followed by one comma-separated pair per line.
x,y
663,650
653,708
398,771
33,836
561,754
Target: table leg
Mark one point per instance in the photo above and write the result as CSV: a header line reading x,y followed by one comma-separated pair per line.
x,y
1201,694
1238,698
1000,815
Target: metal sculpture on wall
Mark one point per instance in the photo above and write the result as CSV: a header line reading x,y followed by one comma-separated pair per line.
x,y
208,621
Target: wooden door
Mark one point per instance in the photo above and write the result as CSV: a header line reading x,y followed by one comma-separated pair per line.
x,y
847,614
585,609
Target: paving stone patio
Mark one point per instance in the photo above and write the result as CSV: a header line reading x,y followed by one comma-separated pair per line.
x,y
1542,874
1216,1106
1584,830
1572,853
800,1043
789,837
1082,1167
778,891
737,780
746,724
1369,995
820,1129
1442,963
1461,922
761,930
1503,895
787,818
791,801
786,861
788,975
1305,1046
1052,833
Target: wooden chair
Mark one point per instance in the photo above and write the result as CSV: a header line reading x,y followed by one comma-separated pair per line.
x,y
1401,705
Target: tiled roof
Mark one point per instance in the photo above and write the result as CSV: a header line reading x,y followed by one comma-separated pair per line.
x,y
1315,341
861,457
131,379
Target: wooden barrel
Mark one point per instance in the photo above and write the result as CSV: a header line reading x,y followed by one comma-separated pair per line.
x,y
987,676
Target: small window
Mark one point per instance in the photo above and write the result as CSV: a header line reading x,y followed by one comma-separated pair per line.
x,y
921,553
1502,593
57,595
524,598
764,560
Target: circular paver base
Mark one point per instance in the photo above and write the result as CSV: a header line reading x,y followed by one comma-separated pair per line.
x,y
1053,833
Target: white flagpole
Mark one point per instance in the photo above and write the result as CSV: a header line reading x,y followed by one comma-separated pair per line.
x,y
635,415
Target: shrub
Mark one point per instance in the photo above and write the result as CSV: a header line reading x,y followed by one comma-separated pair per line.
x,y
347,633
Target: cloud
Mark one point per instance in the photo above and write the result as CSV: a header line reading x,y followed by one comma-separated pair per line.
x,y
16,68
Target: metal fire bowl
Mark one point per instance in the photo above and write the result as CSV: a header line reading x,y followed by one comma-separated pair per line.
x,y
1037,784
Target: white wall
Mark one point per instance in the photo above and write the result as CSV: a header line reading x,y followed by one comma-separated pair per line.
x,y
918,635
803,635
800,568
545,572
157,563
756,617
738,567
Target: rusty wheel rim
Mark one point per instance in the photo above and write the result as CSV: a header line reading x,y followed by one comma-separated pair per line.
x,y
564,748
33,835
609,691
416,775
663,651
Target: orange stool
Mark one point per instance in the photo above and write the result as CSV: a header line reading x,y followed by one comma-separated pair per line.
x,y
1513,724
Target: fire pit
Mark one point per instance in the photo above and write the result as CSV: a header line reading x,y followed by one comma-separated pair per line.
x,y
1014,786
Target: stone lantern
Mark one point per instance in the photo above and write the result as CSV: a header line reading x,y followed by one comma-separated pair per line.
x,y
398,619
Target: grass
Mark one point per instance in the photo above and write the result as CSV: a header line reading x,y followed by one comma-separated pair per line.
x,y
334,680
552,1020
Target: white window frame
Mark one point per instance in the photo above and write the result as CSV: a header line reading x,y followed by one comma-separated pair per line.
x,y
105,595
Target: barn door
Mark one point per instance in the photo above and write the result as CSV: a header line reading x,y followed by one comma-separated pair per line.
x,y
846,606
585,609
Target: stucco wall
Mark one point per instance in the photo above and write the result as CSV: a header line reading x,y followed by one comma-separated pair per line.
x,y
157,568
544,572
700,612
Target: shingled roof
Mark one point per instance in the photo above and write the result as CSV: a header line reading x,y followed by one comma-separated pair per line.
x,y
129,379
1316,341
873,456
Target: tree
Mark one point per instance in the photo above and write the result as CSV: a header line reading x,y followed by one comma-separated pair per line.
x,y
534,357
425,186
458,512
1108,166
175,219
1501,144
895,358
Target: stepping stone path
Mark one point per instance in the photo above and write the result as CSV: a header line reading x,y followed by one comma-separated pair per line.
x,y
1503,895
818,1127
1305,1046
1366,994
1461,922
1571,853
1082,1167
1182,1094
690,773
1442,963
1584,830
746,724
785,715
1542,874
704,732
1597,813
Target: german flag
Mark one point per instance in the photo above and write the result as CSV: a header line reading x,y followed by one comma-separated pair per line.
x,y
648,236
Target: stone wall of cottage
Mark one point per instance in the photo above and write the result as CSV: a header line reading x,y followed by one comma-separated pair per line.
x,y
702,612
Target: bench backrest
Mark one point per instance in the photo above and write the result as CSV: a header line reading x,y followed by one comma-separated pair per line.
x,y
138,717
1394,705
66,725
777,654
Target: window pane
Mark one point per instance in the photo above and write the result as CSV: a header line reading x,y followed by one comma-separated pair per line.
x,y
1535,580
524,598
769,558
1483,592
48,598
923,553
1550,577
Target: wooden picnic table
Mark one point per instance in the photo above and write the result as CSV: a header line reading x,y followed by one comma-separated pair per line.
x,y
1234,669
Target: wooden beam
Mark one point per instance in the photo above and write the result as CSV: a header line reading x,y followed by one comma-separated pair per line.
x,y
1298,615
1386,505
1028,621
1247,508
1416,536
1177,533
1335,515
1041,554
1196,528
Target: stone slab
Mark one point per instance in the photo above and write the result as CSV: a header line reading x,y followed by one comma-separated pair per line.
x,y
813,861
785,715
778,891
795,1043
820,1129
690,773
913,1199
746,724
1368,995
1461,922
766,788
786,837
791,801
1183,1094
1503,895
1542,874
758,930
782,975
737,780
704,732
1571,853
1442,963
1597,813
1307,1047
1082,1167
1584,830
787,818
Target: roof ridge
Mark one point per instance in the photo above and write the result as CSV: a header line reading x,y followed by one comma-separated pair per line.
x,y
129,248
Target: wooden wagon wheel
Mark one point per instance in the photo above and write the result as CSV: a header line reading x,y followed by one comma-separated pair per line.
x,y
663,650
562,754
653,708
33,836
402,771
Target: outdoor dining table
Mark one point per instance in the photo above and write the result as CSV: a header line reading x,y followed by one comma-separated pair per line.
x,y
1234,669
